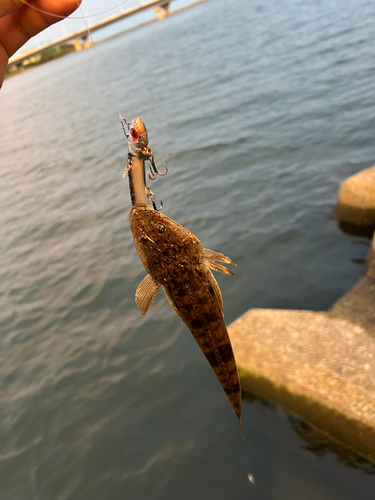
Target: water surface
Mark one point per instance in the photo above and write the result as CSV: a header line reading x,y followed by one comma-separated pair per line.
x,y
259,111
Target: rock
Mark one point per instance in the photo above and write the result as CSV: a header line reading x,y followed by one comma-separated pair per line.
x,y
356,199
321,365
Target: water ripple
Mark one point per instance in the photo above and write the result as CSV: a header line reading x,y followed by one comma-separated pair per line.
x,y
259,111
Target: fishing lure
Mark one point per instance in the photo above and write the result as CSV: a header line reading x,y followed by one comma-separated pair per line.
x,y
176,261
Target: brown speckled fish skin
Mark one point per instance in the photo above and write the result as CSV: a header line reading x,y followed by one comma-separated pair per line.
x,y
173,257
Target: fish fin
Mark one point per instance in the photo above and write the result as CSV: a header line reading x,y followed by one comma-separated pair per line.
x,y
172,304
146,293
216,256
217,267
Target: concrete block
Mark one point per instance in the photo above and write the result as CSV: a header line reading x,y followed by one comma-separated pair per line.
x,y
321,365
356,199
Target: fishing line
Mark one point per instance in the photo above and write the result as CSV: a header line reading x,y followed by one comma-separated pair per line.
x,y
245,465
70,17
101,63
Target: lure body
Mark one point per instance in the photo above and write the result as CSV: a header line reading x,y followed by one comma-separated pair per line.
x,y
176,261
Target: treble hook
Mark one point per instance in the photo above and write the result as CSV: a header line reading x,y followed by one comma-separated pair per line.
x,y
151,197
154,170
157,209
153,174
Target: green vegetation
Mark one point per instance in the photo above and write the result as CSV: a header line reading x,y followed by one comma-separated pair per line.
x,y
47,55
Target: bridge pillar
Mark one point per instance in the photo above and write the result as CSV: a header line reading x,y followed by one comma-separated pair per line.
x,y
81,43
77,45
86,42
163,11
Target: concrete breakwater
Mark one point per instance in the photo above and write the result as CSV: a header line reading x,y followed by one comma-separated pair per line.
x,y
321,365
356,199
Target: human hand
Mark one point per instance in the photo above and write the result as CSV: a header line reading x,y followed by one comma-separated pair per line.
x,y
18,23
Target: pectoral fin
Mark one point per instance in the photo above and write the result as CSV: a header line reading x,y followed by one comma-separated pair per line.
x,y
146,293
217,267
209,258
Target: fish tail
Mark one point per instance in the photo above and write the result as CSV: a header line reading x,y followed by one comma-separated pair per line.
x,y
234,396
222,361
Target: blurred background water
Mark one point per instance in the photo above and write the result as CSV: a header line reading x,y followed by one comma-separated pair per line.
x,y
259,110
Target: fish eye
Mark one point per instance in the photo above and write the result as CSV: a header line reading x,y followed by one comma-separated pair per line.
x,y
160,228
134,134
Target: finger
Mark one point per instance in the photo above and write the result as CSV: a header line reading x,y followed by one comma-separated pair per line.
x,y
17,28
8,6
57,7
3,63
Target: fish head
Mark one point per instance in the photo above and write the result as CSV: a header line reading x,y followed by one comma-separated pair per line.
x,y
161,242
138,140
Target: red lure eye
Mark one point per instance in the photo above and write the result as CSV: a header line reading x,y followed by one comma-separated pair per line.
x,y
134,134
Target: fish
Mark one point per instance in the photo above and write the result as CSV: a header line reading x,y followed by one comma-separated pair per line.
x,y
176,261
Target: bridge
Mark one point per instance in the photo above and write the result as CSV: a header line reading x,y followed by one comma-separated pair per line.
x,y
79,38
